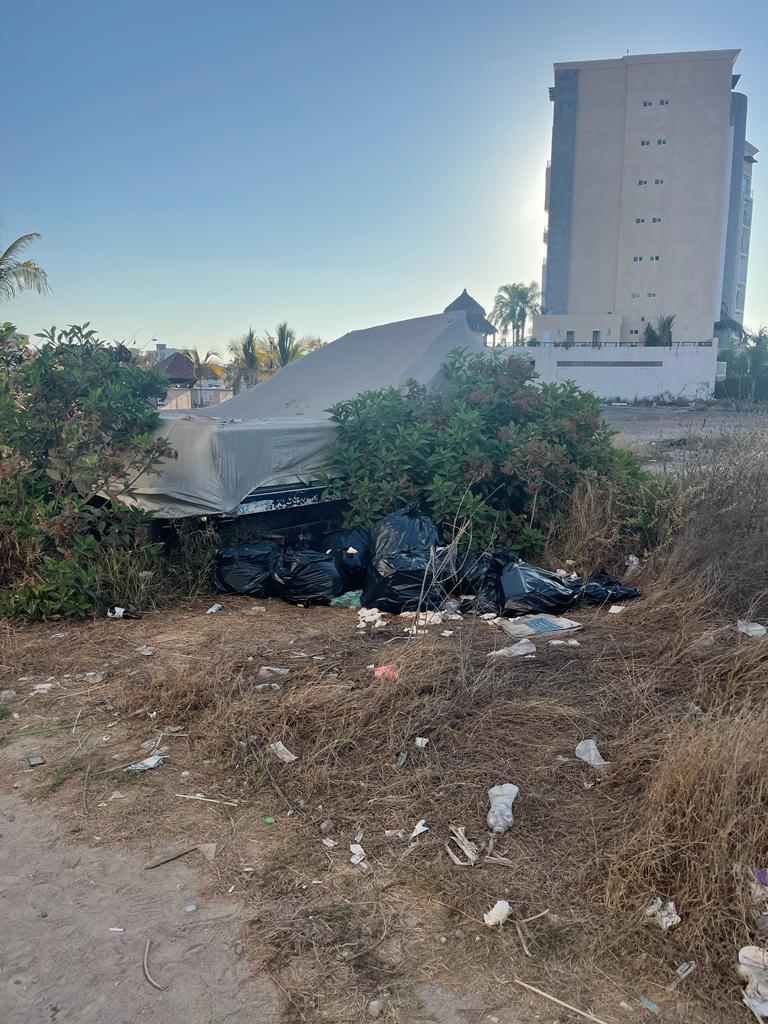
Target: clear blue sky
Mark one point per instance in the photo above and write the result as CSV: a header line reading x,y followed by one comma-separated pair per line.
x,y
197,167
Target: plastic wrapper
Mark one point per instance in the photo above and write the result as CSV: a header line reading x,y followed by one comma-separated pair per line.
x,y
600,587
306,577
404,530
245,568
352,550
526,588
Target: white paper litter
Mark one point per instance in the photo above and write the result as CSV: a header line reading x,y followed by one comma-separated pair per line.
x,y
358,857
330,843
515,651
424,618
280,751
498,914
146,651
664,913
394,833
420,827
564,643
215,608
587,751
41,688
422,742
370,617
750,629
616,609
534,625
467,847
270,671
753,968
115,613
447,632
94,677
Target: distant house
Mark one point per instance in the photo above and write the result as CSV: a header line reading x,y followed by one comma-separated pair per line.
x,y
475,316
184,391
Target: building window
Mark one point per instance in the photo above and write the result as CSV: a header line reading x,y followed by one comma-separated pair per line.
x,y
634,330
597,337
637,259
639,220
570,336
659,181
653,259
651,295
663,103
645,142
635,295
661,142
656,220
642,181
647,103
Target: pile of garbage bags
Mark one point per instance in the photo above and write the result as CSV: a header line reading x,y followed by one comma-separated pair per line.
x,y
402,565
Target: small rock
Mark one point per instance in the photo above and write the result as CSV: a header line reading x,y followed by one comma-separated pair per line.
x,y
459,934
376,1007
443,940
185,774
191,908
238,949
43,913
327,826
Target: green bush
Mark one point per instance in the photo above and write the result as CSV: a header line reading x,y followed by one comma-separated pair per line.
x,y
76,429
502,451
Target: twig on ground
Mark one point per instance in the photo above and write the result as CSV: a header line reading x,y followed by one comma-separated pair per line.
x,y
553,999
207,799
147,975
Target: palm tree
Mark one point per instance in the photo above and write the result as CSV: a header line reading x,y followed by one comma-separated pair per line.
x,y
283,347
661,333
513,304
18,275
249,357
201,364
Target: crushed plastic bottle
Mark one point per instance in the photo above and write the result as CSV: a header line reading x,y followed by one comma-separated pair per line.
x,y
500,816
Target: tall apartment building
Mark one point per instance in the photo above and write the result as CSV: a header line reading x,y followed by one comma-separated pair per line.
x,y
649,196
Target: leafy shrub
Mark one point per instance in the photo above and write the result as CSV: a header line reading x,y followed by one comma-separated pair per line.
x,y
76,423
502,451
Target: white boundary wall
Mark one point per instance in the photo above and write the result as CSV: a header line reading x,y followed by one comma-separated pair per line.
x,y
630,373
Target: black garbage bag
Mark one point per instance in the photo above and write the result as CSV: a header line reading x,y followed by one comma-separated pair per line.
x,y
526,588
244,568
306,577
478,580
601,587
404,530
405,581
352,550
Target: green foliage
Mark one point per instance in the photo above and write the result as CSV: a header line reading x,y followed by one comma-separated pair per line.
x,y
76,429
503,452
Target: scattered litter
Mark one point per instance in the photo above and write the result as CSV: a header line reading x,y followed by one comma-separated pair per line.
x,y
352,599
500,816
587,751
56,636
400,760
490,617
358,857
515,651
420,827
421,742
116,612
664,914
190,908
35,761
146,651
282,752
270,671
370,617
632,563
206,799
385,672
394,833
376,1007
359,834
447,632
753,968
330,843
327,826
117,929
750,628
564,643
616,609
531,625
498,914
467,847
424,618
650,1005
684,971
267,688
269,821
42,688
215,608
154,761
116,795
95,677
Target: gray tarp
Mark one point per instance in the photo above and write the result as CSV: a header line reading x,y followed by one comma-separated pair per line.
x,y
279,431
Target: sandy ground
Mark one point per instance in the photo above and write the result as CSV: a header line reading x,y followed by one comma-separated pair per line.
x,y
644,428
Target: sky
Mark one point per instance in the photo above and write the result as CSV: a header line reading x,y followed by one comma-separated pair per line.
x,y
196,168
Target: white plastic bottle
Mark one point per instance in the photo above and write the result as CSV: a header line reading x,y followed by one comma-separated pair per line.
x,y
500,816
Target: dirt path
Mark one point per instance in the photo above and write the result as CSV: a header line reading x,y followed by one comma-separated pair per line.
x,y
61,963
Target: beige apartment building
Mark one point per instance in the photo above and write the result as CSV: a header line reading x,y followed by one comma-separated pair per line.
x,y
649,198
